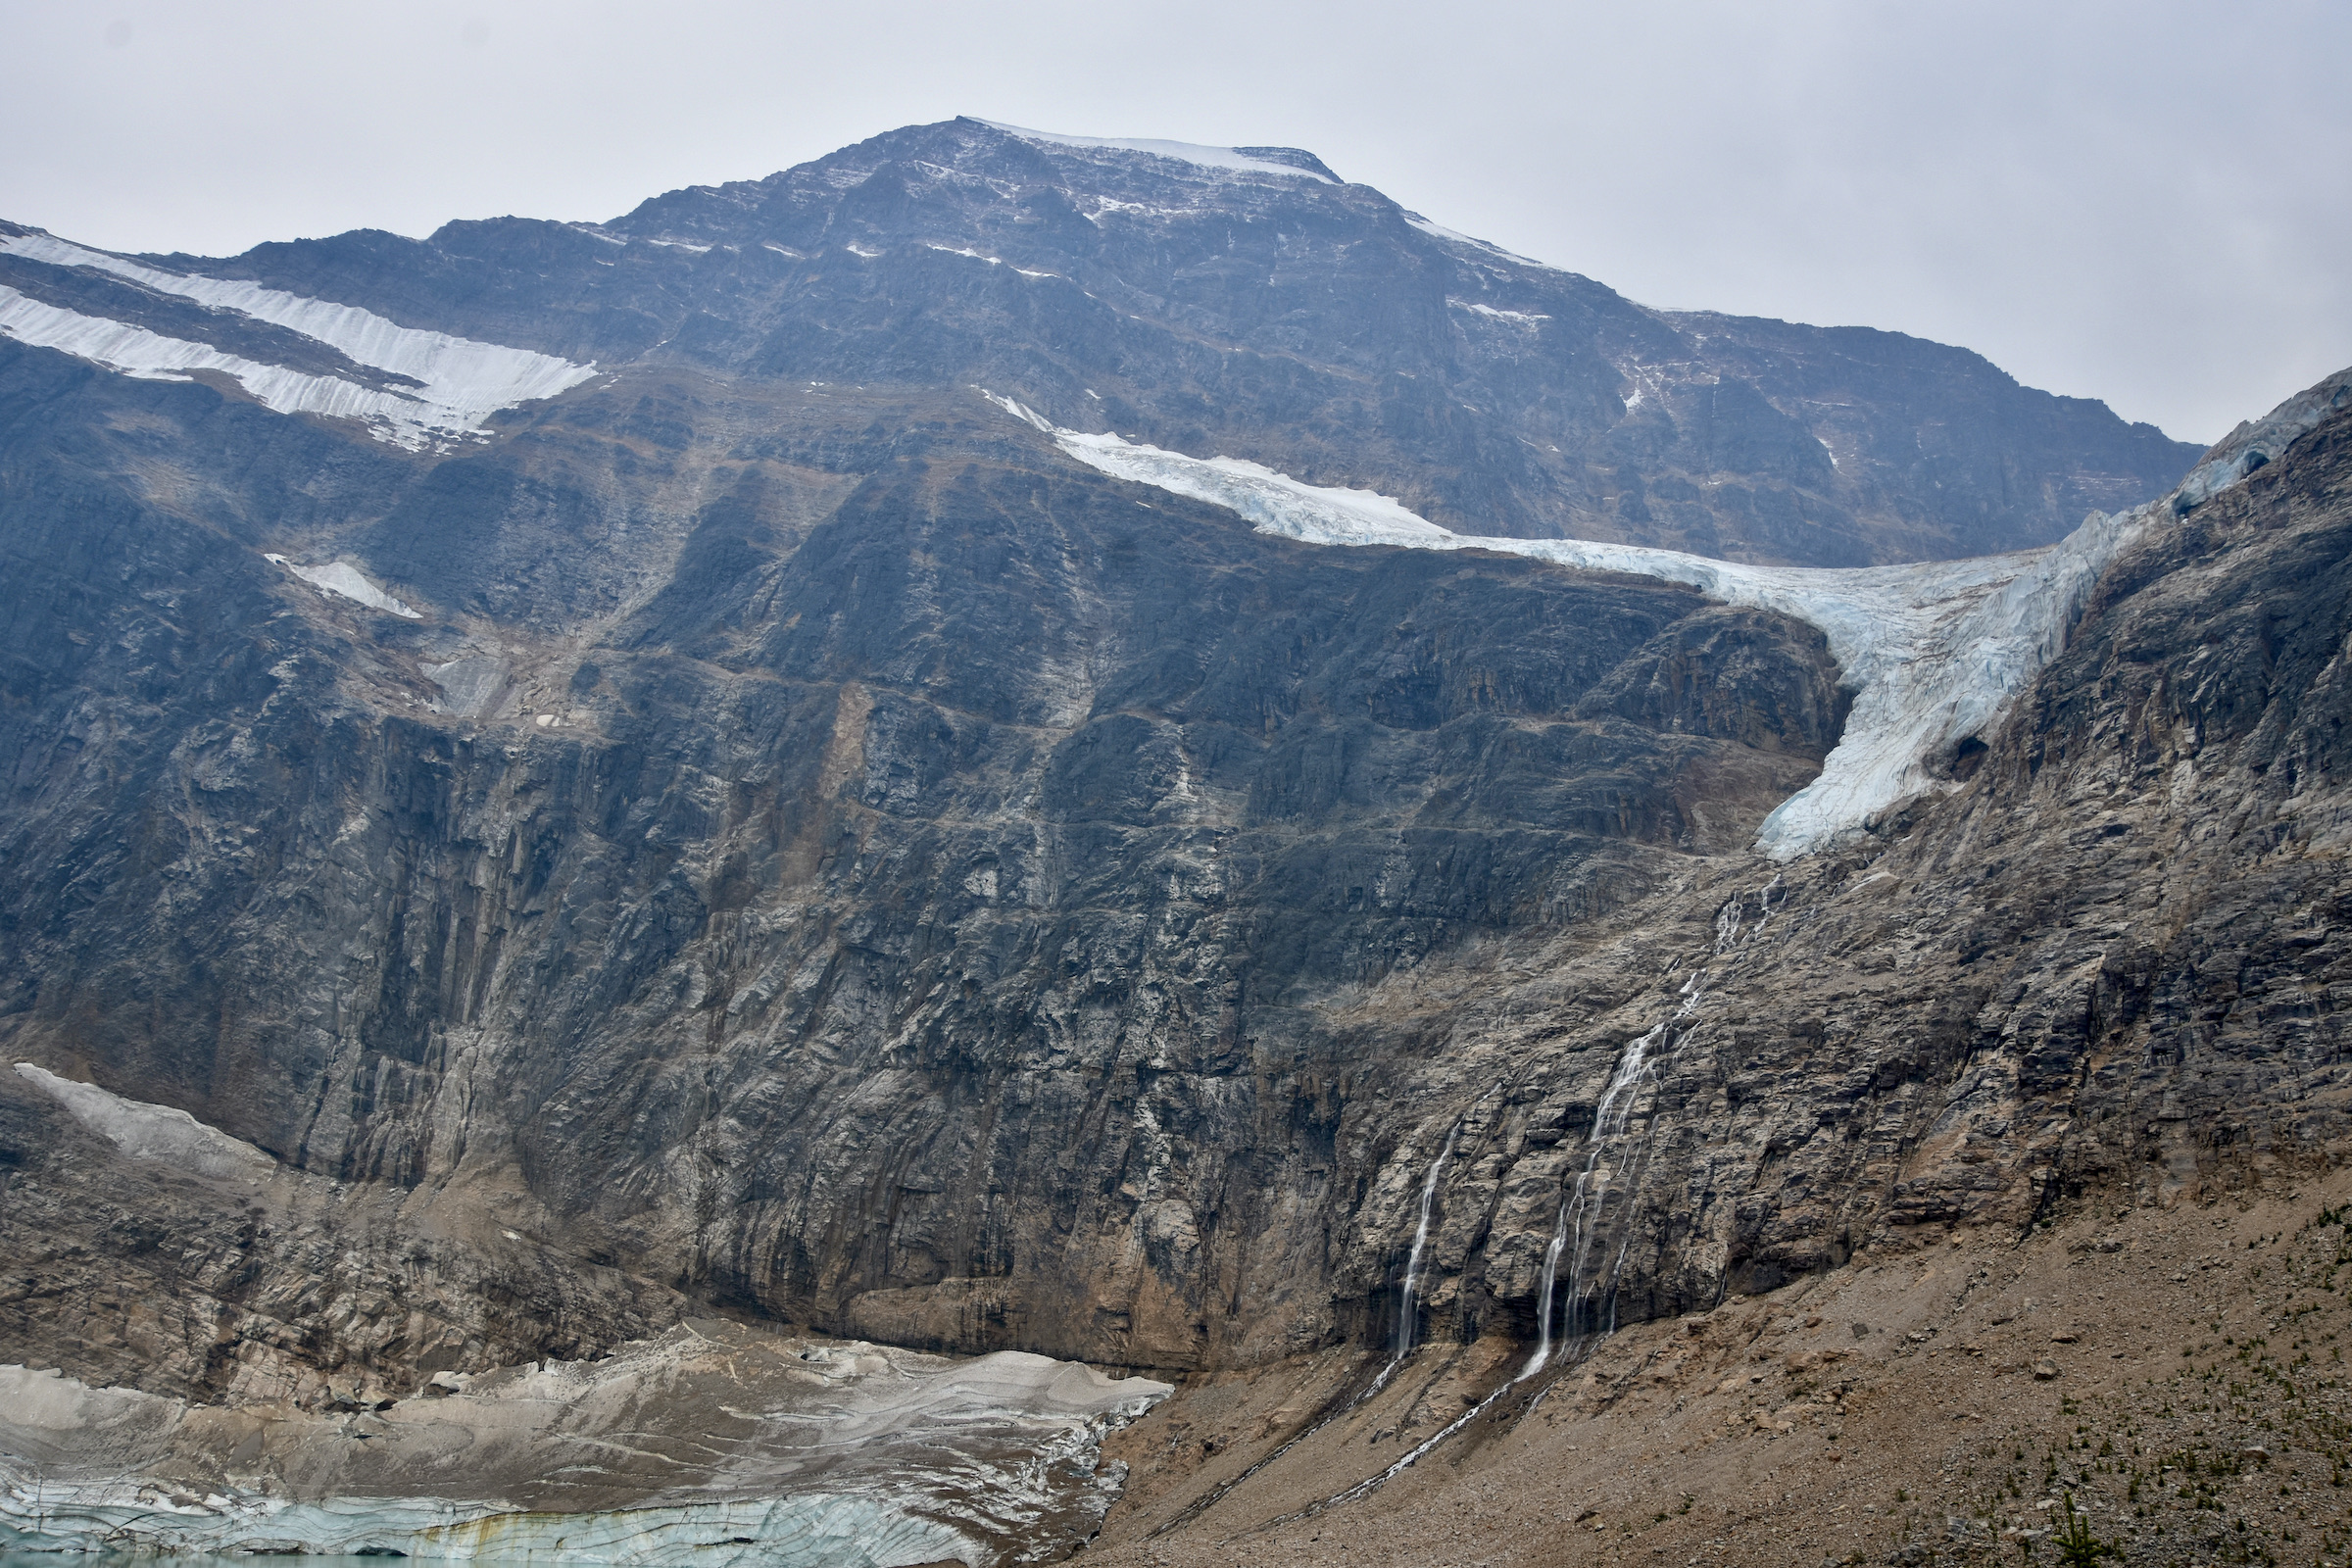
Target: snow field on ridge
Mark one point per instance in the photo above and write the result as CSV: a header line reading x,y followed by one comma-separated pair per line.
x,y
462,380
146,355
1183,152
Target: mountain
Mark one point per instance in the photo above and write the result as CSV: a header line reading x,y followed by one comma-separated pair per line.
x,y
1010,743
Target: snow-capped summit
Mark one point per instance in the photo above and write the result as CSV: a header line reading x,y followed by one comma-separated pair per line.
x,y
1284,161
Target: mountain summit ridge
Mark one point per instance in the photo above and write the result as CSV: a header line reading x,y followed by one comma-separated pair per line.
x,y
1270,314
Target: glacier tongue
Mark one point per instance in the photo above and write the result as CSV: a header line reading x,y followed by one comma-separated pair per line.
x,y
1933,652
460,380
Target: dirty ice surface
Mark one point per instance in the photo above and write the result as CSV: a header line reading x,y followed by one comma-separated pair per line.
x,y
144,1131
714,1444
1933,652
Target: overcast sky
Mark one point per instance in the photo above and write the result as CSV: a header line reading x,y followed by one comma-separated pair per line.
x,y
2150,203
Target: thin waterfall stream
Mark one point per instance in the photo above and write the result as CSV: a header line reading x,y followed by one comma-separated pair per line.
x,y
1405,1326
1406,1312
1581,1205
1610,1120
1405,1317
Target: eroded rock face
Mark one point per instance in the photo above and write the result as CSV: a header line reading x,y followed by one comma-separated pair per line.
x,y
816,851
963,921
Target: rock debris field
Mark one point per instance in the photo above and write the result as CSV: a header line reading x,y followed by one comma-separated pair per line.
x,y
2178,1376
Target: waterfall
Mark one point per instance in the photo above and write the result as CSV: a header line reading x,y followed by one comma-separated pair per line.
x,y
1405,1334
1405,1313
1579,1210
1580,1207
1582,1204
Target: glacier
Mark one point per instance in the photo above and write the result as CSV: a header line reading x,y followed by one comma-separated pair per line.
x,y
1933,652
713,1443
458,381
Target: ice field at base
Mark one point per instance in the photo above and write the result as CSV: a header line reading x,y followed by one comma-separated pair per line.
x,y
711,1444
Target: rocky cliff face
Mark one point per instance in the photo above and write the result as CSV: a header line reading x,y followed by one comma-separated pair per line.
x,y
774,833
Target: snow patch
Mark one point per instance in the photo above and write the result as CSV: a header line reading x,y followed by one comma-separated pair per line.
x,y
462,381
145,1131
1524,318
1184,152
345,580
1934,652
469,683
134,351
1457,237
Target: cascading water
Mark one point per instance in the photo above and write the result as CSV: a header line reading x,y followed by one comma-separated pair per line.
x,y
1580,1207
1405,1315
1610,1120
1406,1324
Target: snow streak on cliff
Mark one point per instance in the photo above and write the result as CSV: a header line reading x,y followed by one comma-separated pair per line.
x,y
454,382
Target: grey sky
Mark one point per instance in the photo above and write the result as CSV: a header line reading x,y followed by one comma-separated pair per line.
x,y
2150,203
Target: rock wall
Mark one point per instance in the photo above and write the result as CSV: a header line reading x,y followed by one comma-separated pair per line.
x,y
819,854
